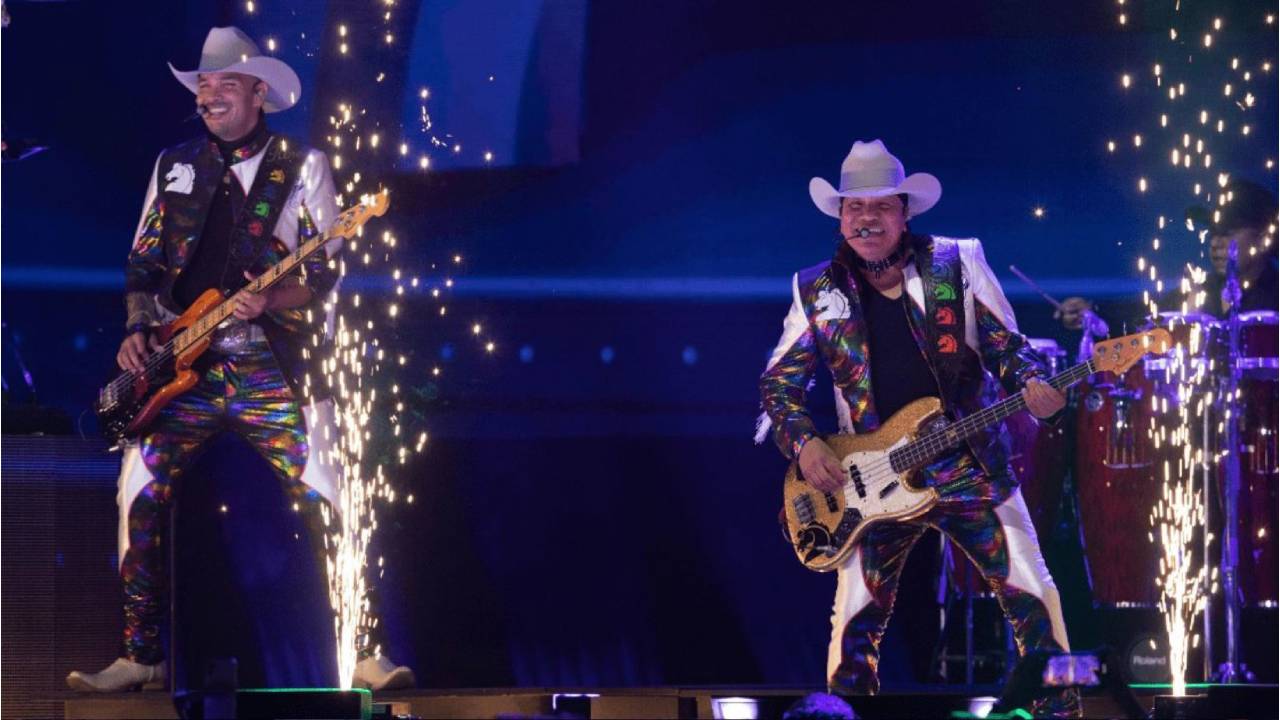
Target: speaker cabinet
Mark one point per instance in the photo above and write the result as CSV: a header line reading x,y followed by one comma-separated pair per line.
x,y
59,584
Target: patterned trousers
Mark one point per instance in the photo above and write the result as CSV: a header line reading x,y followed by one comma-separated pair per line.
x,y
993,528
245,394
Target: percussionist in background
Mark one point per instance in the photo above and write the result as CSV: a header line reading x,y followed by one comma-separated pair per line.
x,y
1249,219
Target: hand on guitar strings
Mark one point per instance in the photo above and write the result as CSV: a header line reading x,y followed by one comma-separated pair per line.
x,y
285,295
1042,399
820,466
135,349
251,305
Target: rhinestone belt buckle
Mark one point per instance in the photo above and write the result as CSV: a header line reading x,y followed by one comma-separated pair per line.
x,y
234,336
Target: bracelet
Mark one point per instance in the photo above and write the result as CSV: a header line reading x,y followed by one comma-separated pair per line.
x,y
137,328
798,444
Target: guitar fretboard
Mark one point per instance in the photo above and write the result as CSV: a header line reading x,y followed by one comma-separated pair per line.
x,y
923,449
207,324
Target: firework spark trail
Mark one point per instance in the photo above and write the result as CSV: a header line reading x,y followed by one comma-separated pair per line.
x,y
357,368
347,590
1198,112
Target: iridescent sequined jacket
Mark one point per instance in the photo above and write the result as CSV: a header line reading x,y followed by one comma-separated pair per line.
x,y
826,325
174,212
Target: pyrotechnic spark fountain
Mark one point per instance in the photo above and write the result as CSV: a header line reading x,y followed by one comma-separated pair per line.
x,y
359,369
1199,98
1178,514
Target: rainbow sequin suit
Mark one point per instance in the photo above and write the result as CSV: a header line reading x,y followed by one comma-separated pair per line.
x,y
981,508
252,379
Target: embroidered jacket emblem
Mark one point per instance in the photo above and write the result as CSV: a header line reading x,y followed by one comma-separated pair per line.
x,y
181,178
832,304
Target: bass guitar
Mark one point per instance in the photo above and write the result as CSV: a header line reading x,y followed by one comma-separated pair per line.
x,y
128,404
823,528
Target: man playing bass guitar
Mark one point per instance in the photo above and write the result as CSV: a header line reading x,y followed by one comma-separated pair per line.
x,y
219,210
895,317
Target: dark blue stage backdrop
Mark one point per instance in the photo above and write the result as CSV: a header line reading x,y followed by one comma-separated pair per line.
x,y
627,182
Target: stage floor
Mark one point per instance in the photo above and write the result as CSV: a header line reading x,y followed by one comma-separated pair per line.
x,y
1252,701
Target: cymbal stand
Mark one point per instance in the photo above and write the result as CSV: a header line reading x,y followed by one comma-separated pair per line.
x,y
1206,492
1231,670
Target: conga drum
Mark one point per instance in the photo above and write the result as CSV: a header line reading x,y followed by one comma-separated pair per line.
x,y
1200,339
1259,355
1120,469
1038,453
1258,502
1118,485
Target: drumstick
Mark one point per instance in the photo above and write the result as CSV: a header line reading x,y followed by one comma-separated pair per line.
x,y
1056,305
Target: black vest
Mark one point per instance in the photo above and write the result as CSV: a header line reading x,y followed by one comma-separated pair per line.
x,y
187,178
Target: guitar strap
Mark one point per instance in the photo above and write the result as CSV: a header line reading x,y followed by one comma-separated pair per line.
x,y
940,271
261,210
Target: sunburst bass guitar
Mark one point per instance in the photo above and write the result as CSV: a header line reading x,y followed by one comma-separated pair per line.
x,y
128,404
879,466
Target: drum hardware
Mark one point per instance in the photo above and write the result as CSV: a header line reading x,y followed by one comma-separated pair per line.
x,y
1206,489
1126,439
1230,671
1093,401
1239,360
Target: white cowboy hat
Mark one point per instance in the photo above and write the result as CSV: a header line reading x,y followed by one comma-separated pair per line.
x,y
870,171
228,49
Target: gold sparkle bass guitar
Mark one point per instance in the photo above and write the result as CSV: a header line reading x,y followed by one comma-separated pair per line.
x,y
128,404
880,466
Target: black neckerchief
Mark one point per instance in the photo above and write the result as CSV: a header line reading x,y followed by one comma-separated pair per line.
x,y
243,148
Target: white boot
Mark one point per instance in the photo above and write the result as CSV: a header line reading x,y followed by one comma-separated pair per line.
x,y
119,676
379,673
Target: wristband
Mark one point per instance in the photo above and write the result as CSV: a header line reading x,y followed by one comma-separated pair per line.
x,y
798,444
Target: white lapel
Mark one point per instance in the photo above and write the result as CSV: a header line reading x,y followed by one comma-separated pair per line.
x,y
914,284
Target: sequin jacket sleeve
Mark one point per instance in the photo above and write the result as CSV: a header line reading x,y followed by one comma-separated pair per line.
x,y
312,209
321,208
145,266
1005,352
785,380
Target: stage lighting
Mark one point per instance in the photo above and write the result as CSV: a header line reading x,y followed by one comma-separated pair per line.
x,y
735,708
980,707
573,703
1039,674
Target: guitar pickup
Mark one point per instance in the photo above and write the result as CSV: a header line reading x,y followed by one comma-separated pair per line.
x,y
858,486
888,489
804,509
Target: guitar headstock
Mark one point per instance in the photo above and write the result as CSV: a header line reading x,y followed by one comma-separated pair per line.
x,y
350,220
1117,355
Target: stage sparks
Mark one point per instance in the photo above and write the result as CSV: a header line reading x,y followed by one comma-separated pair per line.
x,y
1203,102
363,369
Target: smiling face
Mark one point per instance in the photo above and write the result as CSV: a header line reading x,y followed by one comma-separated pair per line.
x,y
886,213
1249,242
233,102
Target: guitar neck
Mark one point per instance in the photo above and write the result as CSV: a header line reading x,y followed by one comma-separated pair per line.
x,y
919,452
209,322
